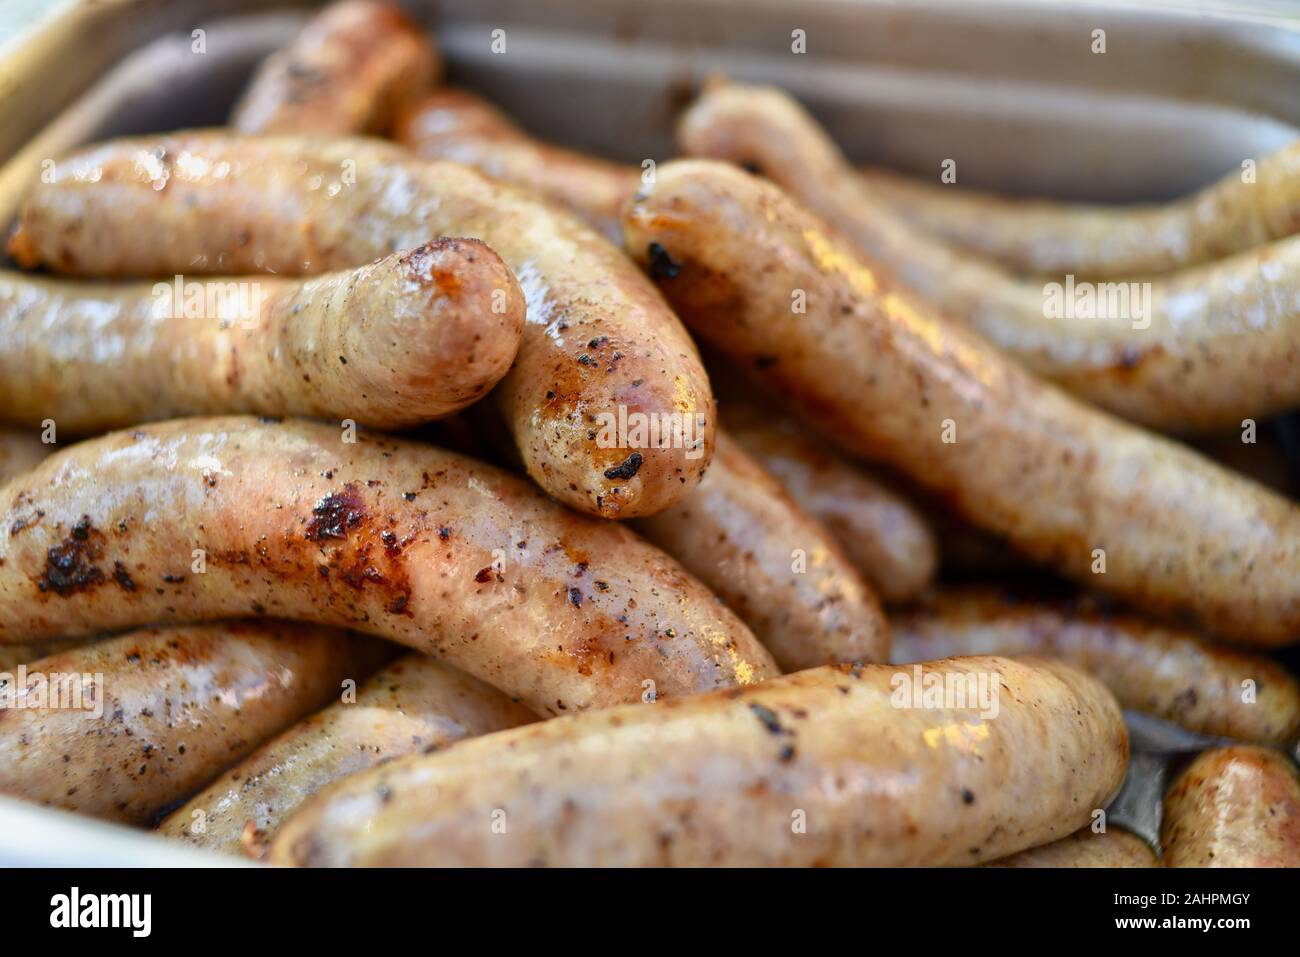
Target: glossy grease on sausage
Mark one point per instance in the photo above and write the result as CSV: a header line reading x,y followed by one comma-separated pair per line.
x,y
205,518
816,768
608,401
893,380
415,705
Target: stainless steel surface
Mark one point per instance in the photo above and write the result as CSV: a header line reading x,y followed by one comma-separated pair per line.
x,y
1010,89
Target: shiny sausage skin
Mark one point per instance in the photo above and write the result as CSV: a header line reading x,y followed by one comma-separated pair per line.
x,y
20,449
892,380
393,538
1207,347
1085,848
349,71
453,124
1233,807
883,534
773,564
1034,236
409,338
415,705
1164,671
815,768
179,706
600,347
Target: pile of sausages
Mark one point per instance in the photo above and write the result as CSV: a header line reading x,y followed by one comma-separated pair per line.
x,y
444,398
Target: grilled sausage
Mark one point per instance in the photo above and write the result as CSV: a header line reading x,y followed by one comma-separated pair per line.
x,y
608,401
1087,848
411,337
890,379
819,767
207,518
1233,807
1105,242
1164,671
349,71
20,449
415,705
144,718
775,565
453,124
1200,349
882,533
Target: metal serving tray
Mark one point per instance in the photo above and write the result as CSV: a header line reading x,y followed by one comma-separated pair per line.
x,y
1010,88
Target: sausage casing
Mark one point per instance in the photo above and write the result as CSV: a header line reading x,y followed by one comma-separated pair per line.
x,y
890,379
408,338
1087,848
1162,670
1233,807
211,518
350,70
178,705
744,536
803,769
414,705
608,401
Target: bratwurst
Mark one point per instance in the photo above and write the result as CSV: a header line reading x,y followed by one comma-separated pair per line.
x,y
415,705
411,337
222,517
608,401
834,766
889,378
141,720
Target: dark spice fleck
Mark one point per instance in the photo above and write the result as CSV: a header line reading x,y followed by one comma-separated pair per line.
x,y
627,468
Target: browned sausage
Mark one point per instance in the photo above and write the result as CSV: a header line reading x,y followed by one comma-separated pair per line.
x,y
1200,349
143,719
207,518
1086,848
1162,670
822,767
743,535
411,337
890,379
1234,807
453,124
882,533
20,654
349,71
415,705
1033,236
608,401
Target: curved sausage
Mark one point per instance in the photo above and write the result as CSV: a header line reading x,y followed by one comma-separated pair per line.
x,y
883,534
608,400
1164,671
349,71
411,337
1086,848
414,706
820,767
20,449
206,518
1233,807
890,379
1036,236
163,710
773,564
453,124
1199,349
